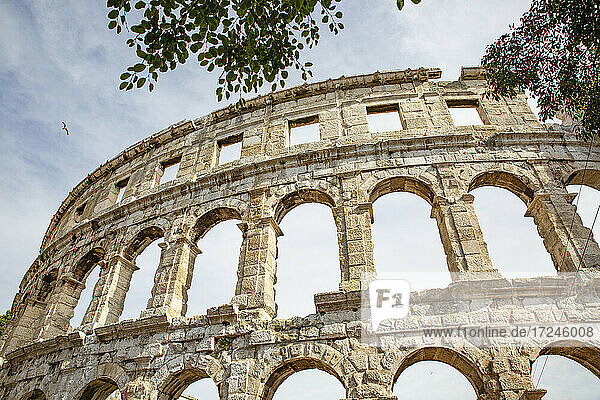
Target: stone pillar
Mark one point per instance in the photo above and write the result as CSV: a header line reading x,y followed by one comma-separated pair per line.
x,y
563,233
24,328
173,278
242,381
353,222
466,251
257,267
511,378
61,307
139,390
110,291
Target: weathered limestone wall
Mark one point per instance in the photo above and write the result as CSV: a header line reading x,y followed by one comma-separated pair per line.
x,y
241,345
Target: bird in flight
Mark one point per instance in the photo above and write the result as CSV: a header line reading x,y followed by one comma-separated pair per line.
x,y
65,128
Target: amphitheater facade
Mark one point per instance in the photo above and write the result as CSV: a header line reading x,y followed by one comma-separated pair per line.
x,y
120,208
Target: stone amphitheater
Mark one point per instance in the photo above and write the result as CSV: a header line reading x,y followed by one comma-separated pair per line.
x,y
119,209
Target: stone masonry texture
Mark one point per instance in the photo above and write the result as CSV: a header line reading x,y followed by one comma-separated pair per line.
x,y
241,345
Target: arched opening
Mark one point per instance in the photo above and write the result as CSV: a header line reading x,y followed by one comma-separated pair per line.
x,y
406,241
144,251
514,244
304,378
433,380
215,269
568,370
100,389
503,180
588,177
308,253
87,272
437,372
190,382
36,394
47,284
310,384
586,184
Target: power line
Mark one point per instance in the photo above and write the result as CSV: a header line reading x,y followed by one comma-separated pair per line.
x,y
584,248
587,159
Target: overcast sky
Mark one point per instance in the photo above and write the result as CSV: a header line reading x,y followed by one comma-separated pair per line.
x,y
60,63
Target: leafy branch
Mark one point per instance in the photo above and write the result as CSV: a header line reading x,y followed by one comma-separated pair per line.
x,y
253,42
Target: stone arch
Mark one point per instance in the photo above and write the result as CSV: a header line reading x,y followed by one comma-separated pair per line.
x,y
142,240
100,382
98,389
521,186
301,196
447,356
67,293
174,378
335,229
35,394
585,176
583,353
274,361
210,219
402,184
290,367
86,263
46,284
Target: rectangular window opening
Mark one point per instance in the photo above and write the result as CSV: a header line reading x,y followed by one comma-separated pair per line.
x,y
170,168
121,186
465,112
230,149
384,118
304,130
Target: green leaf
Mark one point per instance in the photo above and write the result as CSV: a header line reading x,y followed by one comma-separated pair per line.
x,y
400,4
123,85
112,24
113,14
125,75
139,5
139,67
141,82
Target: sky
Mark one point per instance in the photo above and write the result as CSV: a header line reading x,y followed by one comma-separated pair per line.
x,y
60,63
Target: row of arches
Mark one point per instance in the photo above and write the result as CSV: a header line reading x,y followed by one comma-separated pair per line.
x,y
224,219
429,372
147,238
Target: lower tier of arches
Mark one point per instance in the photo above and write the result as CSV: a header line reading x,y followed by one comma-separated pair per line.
x,y
246,361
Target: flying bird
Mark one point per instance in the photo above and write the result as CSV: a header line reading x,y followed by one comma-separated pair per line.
x,y
65,128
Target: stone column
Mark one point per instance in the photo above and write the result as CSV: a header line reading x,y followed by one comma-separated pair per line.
x,y
257,266
564,234
173,278
355,239
110,291
511,378
466,251
61,307
139,390
25,328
